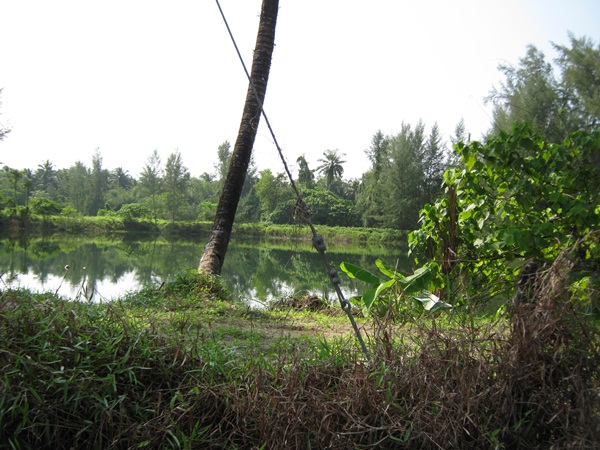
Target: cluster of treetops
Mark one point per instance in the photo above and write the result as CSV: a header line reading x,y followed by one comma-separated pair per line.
x,y
406,172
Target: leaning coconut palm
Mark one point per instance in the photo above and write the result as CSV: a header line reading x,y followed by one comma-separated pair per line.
x,y
331,166
216,248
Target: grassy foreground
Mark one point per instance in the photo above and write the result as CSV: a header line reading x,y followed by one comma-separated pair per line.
x,y
182,367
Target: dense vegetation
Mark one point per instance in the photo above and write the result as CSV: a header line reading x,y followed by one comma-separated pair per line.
x,y
184,367
512,226
406,168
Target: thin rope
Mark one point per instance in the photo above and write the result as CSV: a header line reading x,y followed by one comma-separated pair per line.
x,y
301,208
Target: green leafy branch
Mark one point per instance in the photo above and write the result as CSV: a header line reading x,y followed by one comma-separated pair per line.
x,y
416,287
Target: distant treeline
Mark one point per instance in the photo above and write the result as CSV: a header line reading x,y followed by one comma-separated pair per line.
x,y
406,170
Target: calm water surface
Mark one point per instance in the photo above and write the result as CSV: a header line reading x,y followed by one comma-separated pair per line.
x,y
106,268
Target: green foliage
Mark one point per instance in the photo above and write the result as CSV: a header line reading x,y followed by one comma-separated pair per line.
x,y
75,187
249,205
203,194
580,66
388,238
120,191
46,180
44,207
70,211
331,166
529,94
276,196
518,197
182,367
98,185
84,375
120,179
406,167
554,106
176,184
224,157
283,214
207,211
151,183
133,211
21,213
306,177
406,174
186,289
394,291
327,208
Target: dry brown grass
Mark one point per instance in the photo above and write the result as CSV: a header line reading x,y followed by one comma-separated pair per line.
x,y
535,385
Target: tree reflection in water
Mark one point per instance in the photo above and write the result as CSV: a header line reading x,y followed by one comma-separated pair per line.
x,y
111,267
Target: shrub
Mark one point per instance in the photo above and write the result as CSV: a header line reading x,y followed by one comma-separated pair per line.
x,y
45,207
133,211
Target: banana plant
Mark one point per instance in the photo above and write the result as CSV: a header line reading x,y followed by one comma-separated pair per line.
x,y
415,287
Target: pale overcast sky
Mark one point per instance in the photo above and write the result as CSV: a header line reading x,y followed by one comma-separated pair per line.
x,y
130,76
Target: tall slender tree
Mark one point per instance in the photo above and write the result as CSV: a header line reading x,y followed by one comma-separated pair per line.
x,y
433,165
76,184
378,153
554,106
224,156
403,181
99,180
28,182
177,184
460,135
580,65
15,177
369,198
306,177
216,248
151,182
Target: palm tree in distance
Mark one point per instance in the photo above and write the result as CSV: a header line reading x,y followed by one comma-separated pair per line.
x,y
120,178
331,166
46,176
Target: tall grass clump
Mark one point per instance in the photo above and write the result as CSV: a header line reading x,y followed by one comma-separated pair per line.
x,y
82,375
72,375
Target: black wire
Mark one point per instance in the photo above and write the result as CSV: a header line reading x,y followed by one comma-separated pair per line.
x,y
318,241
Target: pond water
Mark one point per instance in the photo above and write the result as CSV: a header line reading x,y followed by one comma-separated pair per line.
x,y
103,269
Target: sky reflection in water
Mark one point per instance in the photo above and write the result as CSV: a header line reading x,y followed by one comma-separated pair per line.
x,y
111,268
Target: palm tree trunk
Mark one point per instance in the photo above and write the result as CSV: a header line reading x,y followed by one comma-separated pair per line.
x,y
216,248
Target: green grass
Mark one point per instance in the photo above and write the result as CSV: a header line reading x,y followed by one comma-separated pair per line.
x,y
337,235
186,367
107,225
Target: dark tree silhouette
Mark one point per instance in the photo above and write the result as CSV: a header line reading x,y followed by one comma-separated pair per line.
x,y
216,248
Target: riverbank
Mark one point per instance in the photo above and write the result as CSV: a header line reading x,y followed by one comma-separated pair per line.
x,y
182,366
261,231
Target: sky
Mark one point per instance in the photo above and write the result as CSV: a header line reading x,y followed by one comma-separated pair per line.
x,y
128,77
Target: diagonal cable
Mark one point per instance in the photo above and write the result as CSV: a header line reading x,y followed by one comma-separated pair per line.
x,y
301,208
